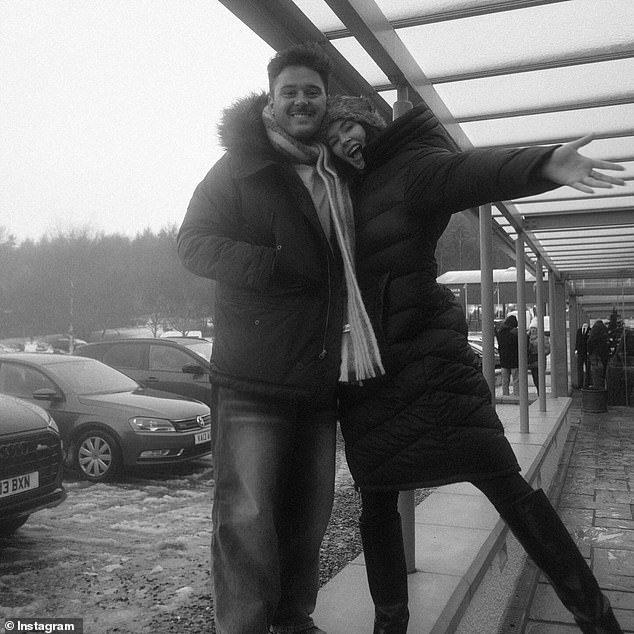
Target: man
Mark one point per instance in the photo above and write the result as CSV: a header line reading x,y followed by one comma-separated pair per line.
x,y
581,350
259,224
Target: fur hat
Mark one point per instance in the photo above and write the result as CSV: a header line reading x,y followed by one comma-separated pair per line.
x,y
358,109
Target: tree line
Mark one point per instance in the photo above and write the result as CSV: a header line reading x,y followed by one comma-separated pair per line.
x,y
93,283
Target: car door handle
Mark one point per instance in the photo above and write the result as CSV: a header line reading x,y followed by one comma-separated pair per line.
x,y
151,379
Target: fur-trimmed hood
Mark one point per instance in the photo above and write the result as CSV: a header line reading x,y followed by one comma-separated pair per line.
x,y
241,129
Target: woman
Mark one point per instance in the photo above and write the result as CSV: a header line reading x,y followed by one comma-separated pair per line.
x,y
533,354
509,355
429,420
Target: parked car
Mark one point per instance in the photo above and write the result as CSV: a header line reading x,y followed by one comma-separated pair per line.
x,y
62,343
31,463
475,341
176,364
190,333
107,420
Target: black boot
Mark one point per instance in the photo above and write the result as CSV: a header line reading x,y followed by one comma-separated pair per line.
x,y
387,574
546,540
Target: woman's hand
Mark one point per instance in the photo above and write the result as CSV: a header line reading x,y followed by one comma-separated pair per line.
x,y
567,167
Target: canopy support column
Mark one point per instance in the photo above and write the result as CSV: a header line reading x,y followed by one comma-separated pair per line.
x,y
486,298
541,347
520,266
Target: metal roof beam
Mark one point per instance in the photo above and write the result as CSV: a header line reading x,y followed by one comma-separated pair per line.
x,y
554,108
591,218
558,251
598,261
593,57
485,8
598,236
615,193
566,139
600,272
591,274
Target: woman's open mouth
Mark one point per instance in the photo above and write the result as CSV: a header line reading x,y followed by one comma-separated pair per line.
x,y
353,151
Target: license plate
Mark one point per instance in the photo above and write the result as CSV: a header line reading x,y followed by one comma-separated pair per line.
x,y
18,484
202,436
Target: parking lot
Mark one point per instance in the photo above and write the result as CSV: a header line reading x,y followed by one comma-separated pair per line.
x,y
128,557
133,556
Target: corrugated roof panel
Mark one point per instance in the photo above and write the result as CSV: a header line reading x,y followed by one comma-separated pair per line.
x,y
543,128
360,60
522,37
320,14
555,87
404,9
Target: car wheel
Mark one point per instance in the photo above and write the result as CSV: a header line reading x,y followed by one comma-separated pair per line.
x,y
97,455
8,527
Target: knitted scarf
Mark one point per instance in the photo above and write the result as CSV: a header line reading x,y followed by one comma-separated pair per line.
x,y
360,357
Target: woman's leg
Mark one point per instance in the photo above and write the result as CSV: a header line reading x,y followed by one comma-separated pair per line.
x,y
537,526
535,375
382,538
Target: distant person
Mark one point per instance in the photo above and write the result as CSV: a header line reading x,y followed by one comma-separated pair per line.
x,y
509,355
533,352
598,353
272,224
581,354
429,420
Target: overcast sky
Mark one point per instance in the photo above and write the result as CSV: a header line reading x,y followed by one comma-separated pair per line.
x,y
108,109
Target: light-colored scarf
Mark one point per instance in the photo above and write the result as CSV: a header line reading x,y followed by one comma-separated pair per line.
x,y
360,357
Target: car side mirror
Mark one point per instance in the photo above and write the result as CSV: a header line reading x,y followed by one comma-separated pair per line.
x,y
47,394
193,368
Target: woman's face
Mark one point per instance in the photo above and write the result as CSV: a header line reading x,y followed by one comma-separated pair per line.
x,y
346,139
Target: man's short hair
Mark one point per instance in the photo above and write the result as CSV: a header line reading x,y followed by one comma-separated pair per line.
x,y
310,55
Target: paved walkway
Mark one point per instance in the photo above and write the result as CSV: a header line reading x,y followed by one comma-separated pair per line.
x,y
596,504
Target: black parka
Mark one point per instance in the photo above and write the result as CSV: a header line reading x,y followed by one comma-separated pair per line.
x,y
252,227
430,420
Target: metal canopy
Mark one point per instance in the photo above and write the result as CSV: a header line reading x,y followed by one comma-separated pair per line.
x,y
501,73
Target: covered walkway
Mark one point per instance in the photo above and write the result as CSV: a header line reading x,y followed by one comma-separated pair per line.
x,y
472,577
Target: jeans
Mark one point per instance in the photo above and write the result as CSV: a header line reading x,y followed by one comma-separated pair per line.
x,y
274,470
510,376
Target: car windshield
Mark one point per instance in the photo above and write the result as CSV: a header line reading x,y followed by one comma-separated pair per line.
x,y
201,348
88,376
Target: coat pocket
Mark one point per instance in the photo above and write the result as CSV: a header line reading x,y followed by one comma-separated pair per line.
x,y
256,340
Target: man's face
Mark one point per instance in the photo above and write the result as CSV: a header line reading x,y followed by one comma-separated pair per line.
x,y
298,101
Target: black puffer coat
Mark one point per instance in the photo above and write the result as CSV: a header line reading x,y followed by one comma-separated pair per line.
x,y
430,420
252,226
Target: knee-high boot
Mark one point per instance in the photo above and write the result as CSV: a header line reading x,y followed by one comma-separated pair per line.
x,y
387,574
546,540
